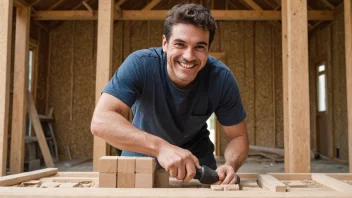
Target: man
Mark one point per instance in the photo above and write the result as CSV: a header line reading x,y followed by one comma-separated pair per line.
x,y
173,90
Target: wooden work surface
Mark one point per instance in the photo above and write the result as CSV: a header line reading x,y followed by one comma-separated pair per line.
x,y
31,184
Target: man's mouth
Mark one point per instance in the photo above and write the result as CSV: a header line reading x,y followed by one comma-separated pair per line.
x,y
187,65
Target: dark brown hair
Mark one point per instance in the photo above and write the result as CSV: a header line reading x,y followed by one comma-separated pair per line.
x,y
190,14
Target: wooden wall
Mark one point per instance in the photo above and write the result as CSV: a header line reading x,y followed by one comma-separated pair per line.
x,y
326,44
253,54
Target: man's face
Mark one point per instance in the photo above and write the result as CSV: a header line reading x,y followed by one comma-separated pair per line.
x,y
187,52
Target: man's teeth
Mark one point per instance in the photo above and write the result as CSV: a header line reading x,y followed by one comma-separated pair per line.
x,y
186,65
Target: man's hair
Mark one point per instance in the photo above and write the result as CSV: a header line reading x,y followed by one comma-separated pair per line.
x,y
191,13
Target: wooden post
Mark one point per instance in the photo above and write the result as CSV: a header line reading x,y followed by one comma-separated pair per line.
x,y
5,58
296,86
104,64
20,86
348,46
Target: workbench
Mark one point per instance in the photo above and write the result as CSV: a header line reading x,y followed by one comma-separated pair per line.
x,y
49,182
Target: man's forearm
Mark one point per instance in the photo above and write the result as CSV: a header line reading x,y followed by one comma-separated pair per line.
x,y
236,152
116,130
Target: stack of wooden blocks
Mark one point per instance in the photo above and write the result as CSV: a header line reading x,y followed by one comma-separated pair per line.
x,y
130,172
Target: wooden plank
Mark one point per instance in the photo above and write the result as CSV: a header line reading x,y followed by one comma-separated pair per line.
x,y
86,5
271,182
348,48
331,182
39,132
20,86
296,83
5,59
22,177
292,176
263,15
340,176
253,5
104,65
56,4
328,4
77,174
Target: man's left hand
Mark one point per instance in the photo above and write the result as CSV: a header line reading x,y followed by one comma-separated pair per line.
x,y
227,174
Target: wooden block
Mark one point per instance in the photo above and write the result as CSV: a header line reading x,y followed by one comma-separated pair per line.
x,y
295,184
32,182
69,185
145,165
50,185
144,180
216,188
331,182
108,164
125,180
126,164
230,187
271,182
161,178
107,180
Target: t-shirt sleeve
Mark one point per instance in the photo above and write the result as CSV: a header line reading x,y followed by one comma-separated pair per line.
x,y
230,110
127,82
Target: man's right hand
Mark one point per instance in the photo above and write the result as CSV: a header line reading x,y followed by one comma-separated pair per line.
x,y
180,163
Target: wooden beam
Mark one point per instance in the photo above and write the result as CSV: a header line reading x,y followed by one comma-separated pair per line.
x,y
331,182
271,183
20,3
151,5
20,87
35,3
292,176
104,64
296,87
55,5
253,5
263,15
5,60
39,132
22,177
348,48
87,6
328,4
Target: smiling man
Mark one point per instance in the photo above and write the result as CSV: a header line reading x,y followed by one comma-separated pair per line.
x,y
172,91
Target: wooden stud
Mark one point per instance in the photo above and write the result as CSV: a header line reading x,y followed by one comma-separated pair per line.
x,y
126,180
253,5
296,83
20,86
340,176
86,5
331,182
292,176
151,5
144,180
107,180
39,132
5,59
104,65
126,164
271,182
328,4
108,164
348,48
251,15
145,165
56,4
22,177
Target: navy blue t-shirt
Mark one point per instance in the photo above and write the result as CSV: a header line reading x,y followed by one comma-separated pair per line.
x,y
177,115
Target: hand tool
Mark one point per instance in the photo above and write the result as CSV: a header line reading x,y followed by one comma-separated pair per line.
x,y
207,175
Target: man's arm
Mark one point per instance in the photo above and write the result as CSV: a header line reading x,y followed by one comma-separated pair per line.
x,y
235,152
110,123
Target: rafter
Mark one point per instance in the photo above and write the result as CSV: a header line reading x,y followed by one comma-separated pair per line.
x,y
151,5
87,6
253,5
35,3
56,4
161,14
328,4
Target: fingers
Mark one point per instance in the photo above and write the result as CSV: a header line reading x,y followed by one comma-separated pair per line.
x,y
196,162
172,172
180,172
221,174
190,172
229,177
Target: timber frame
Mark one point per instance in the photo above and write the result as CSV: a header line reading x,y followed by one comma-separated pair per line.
x,y
294,17
252,185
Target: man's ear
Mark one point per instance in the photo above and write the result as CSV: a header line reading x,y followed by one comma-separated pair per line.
x,y
164,44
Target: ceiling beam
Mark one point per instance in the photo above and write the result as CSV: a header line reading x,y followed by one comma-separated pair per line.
x,y
87,6
253,5
151,5
35,3
328,4
161,14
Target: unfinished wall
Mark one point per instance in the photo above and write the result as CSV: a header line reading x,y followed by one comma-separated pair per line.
x,y
326,44
253,54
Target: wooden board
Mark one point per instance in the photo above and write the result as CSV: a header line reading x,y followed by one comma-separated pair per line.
x,y
5,58
27,176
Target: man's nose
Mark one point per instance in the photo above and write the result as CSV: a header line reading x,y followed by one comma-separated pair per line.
x,y
189,54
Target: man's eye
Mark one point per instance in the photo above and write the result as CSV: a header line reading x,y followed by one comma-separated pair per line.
x,y
200,48
179,45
